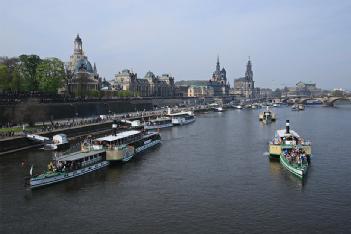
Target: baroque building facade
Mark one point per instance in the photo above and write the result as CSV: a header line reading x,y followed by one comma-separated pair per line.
x,y
150,86
218,81
83,78
245,86
200,91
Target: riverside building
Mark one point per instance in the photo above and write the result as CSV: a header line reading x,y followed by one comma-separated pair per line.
x,y
245,86
218,82
83,77
149,86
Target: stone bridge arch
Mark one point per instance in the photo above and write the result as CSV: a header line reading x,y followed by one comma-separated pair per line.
x,y
304,100
332,100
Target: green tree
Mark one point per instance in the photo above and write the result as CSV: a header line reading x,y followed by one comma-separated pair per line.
x,y
9,76
28,70
4,74
50,75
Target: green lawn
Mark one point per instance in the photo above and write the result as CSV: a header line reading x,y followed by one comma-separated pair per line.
x,y
16,129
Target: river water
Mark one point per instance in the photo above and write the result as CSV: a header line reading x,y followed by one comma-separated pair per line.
x,y
208,177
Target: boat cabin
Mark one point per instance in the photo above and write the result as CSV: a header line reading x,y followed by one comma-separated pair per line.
x,y
122,138
76,161
159,121
291,138
60,139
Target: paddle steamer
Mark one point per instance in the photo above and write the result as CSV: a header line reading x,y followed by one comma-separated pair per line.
x,y
182,118
90,158
125,145
286,138
160,122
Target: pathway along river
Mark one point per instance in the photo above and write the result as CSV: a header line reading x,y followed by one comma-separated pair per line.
x,y
208,177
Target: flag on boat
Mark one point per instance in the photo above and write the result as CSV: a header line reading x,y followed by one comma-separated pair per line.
x,y
31,170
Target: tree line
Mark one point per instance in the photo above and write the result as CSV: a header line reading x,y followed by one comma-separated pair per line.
x,y
28,73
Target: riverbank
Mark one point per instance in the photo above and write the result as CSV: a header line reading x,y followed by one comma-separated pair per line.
x,y
18,143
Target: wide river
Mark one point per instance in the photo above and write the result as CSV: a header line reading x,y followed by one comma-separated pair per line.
x,y
212,176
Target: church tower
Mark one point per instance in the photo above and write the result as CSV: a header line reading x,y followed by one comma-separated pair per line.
x,y
218,67
249,73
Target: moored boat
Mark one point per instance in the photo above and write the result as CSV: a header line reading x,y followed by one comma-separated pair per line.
x,y
125,145
59,142
218,109
295,107
182,118
286,138
89,159
160,122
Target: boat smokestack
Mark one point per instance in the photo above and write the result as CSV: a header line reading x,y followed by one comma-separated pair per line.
x,y
287,125
114,127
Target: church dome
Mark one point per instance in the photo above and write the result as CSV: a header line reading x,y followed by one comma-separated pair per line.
x,y
149,74
83,65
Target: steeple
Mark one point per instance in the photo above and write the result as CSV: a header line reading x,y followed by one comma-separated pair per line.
x,y
218,67
95,70
249,73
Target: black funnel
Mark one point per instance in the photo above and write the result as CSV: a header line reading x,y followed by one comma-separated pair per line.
x,y
287,125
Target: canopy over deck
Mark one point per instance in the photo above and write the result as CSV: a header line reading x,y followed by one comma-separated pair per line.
x,y
181,113
120,135
282,133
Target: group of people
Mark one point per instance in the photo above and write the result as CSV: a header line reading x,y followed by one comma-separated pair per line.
x,y
63,166
295,155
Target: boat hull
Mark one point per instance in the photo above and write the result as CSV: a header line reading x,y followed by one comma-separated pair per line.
x,y
297,171
152,127
58,177
182,121
147,146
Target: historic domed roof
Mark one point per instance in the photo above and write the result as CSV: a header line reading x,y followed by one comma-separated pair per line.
x,y
149,74
84,65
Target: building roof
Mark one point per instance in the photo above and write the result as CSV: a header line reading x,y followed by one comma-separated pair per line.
x,y
83,64
118,136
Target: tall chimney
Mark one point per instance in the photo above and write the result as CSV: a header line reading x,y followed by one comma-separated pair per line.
x,y
287,125
114,127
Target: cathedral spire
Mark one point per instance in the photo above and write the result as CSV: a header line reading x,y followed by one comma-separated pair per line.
x,y
218,67
95,70
249,73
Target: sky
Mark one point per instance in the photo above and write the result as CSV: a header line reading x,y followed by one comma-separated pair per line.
x,y
287,41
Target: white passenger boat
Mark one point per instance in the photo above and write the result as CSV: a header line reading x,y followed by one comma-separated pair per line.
x,y
267,116
124,145
59,142
132,123
160,122
182,118
218,109
89,159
